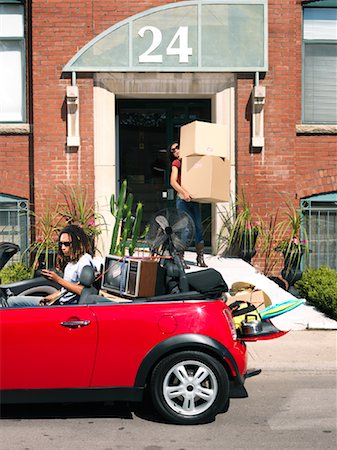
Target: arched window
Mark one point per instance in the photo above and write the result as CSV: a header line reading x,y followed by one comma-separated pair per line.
x,y
320,213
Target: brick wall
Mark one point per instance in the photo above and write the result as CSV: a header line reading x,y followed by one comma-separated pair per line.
x,y
14,163
290,167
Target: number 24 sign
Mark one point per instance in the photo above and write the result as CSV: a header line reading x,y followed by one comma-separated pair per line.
x,y
178,45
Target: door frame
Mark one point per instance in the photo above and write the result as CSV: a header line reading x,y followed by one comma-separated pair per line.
x,y
218,87
178,112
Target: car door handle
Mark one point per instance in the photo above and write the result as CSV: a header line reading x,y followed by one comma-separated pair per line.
x,y
76,323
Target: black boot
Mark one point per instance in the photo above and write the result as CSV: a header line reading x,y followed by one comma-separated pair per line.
x,y
200,255
181,256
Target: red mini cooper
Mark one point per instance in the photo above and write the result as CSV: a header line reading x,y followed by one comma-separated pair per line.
x,y
182,349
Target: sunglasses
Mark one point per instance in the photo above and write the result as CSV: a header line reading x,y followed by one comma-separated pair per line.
x,y
65,244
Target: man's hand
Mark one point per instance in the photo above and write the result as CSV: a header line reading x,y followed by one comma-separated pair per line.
x,y
44,301
51,275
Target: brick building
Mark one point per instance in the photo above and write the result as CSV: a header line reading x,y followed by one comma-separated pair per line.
x,y
92,92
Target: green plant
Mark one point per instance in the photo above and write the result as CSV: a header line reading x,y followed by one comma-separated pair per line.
x,y
238,233
126,231
292,242
78,210
267,239
15,272
44,249
319,287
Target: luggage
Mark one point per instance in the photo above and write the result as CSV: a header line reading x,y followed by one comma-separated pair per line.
x,y
208,282
243,311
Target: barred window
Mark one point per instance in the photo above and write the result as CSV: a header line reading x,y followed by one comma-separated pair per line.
x,y
320,221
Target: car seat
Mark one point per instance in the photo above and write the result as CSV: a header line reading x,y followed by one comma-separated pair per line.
x,y
87,279
7,250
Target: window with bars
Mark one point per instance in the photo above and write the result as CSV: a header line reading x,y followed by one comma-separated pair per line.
x,y
320,64
14,222
12,61
320,214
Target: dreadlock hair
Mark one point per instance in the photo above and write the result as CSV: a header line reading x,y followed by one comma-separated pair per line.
x,y
80,245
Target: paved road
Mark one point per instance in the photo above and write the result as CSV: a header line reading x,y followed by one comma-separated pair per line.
x,y
289,406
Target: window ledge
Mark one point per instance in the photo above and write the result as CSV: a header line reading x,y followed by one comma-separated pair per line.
x,y
316,129
15,128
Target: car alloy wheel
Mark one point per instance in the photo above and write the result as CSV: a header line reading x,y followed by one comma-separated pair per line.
x,y
189,387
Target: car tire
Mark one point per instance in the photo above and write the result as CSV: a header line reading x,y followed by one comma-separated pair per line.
x,y
189,387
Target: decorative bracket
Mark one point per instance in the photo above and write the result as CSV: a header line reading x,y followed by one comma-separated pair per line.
x,y
73,122
258,101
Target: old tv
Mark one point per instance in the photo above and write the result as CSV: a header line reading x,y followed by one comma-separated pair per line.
x,y
131,277
114,274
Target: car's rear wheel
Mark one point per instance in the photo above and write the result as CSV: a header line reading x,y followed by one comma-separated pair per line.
x,y
189,387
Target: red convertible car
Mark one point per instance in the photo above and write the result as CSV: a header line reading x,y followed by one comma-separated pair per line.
x,y
181,349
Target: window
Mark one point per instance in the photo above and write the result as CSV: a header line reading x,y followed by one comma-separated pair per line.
x,y
320,65
12,62
14,221
320,214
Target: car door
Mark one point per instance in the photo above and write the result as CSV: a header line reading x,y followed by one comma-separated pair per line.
x,y
47,347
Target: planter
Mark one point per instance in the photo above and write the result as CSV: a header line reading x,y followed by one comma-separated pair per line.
x,y
43,259
247,245
291,271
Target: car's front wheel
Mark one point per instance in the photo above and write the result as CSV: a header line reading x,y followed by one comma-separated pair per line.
x,y
189,387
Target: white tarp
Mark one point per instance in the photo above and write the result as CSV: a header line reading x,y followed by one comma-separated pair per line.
x,y
235,269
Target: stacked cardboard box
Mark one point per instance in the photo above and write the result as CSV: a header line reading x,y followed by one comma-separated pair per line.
x,y
205,170
247,292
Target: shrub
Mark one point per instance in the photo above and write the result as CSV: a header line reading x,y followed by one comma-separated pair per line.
x,y
14,272
319,287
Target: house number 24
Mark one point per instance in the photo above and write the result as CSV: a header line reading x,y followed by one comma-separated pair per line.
x,y
177,46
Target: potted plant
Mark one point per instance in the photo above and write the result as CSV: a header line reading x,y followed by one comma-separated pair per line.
x,y
75,209
78,210
42,252
126,229
239,233
293,247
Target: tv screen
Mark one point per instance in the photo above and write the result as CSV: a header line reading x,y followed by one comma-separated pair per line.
x,y
115,274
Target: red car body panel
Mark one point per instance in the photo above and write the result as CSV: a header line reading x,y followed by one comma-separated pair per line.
x,y
38,352
135,329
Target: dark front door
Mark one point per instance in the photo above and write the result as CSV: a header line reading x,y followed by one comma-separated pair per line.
x,y
146,129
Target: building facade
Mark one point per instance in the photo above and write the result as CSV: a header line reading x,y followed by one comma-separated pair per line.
x,y
92,93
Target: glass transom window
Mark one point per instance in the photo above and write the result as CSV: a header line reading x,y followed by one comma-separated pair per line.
x,y
198,35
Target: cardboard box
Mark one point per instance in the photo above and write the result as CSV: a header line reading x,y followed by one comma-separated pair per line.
x,y
206,178
203,138
255,296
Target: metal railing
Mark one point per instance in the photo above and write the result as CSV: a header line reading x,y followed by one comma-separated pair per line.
x,y
320,221
14,222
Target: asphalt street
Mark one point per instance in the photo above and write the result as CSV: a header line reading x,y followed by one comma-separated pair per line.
x,y
292,404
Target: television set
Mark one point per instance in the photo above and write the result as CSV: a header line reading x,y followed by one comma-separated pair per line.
x,y
115,274
130,277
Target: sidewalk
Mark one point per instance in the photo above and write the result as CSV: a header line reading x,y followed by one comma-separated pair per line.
x,y
310,350
235,269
